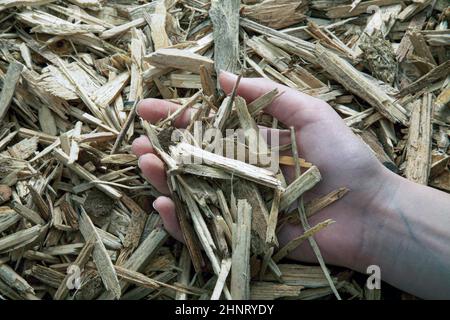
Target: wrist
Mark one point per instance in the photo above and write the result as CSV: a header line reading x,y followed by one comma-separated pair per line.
x,y
377,220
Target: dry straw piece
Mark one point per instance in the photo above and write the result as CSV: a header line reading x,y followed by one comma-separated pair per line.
x,y
76,220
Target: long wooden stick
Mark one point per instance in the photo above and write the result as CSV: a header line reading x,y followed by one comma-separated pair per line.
x,y
9,87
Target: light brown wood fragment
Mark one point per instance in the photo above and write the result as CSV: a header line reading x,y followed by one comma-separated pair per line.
x,y
276,14
272,291
5,141
79,262
83,94
158,22
14,280
134,230
66,29
260,214
207,83
318,204
419,141
20,238
421,48
326,40
142,256
12,77
226,212
271,238
439,164
244,170
224,15
204,171
141,292
202,231
8,218
201,45
28,213
255,106
101,257
135,277
147,250
117,30
189,236
221,279
39,256
240,265
5,4
301,45
294,243
297,77
355,82
66,249
137,53
381,20
83,173
427,79
300,185
106,94
46,275
405,46
223,113
23,149
26,56
301,275
42,137
185,275
179,59
81,15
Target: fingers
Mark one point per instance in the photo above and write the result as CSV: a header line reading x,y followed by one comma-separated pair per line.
x,y
292,107
154,110
166,209
141,146
153,169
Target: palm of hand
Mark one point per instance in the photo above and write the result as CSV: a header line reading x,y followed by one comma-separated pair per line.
x,y
323,139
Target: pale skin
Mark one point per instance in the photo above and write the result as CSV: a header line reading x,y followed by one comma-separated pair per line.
x,y
384,220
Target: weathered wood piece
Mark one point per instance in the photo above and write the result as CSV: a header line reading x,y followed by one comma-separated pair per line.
x,y
12,77
419,141
224,15
240,264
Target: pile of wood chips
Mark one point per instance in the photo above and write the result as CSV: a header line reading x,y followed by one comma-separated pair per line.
x,y
76,220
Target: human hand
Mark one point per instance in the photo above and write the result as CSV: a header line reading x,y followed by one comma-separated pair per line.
x,y
323,139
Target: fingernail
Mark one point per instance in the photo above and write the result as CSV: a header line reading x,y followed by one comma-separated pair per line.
x,y
137,108
153,205
139,162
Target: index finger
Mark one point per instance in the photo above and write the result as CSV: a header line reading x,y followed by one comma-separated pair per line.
x,y
154,110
